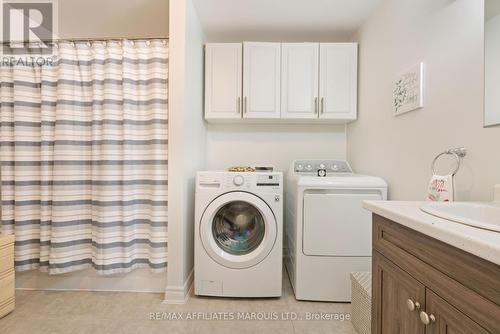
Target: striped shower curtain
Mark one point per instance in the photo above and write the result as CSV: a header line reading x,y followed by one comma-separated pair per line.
x,y
83,152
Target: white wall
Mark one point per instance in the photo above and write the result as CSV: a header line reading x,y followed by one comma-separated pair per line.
x,y
282,20
187,141
492,70
113,18
278,36
275,145
195,145
447,35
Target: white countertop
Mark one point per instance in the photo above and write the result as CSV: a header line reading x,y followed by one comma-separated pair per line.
x,y
482,243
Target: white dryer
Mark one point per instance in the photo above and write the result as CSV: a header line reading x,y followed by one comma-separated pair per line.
x,y
328,233
238,234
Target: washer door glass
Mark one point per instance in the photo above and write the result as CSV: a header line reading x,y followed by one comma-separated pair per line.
x,y
238,228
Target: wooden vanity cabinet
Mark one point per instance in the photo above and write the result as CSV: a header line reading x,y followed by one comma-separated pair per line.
x,y
394,287
448,319
424,286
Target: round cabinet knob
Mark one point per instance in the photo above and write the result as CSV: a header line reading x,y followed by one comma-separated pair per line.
x,y
427,318
412,306
335,167
300,167
309,167
238,180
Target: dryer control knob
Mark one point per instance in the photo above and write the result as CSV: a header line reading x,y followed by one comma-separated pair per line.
x,y
238,180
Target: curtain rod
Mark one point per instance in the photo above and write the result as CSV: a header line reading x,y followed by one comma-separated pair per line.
x,y
89,39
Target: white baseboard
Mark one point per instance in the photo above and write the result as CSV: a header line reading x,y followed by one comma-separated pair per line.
x,y
179,294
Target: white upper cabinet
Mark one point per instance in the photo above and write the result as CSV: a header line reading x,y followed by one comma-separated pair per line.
x,y
261,80
338,81
299,80
223,70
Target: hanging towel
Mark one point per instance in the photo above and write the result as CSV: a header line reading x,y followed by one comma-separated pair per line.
x,y
441,188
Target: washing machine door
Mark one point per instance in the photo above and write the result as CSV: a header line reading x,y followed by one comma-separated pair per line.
x,y
238,230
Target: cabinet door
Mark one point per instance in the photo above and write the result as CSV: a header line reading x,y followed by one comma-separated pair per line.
x,y
447,319
338,70
393,288
223,71
261,80
299,80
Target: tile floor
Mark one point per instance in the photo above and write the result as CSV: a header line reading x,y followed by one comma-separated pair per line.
x,y
104,312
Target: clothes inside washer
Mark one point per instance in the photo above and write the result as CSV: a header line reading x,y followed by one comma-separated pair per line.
x,y
238,228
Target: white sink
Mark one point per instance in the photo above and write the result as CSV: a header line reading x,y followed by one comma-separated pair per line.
x,y
482,215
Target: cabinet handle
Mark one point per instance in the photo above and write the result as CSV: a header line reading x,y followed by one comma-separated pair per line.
x,y
427,318
245,105
316,105
412,306
239,105
322,105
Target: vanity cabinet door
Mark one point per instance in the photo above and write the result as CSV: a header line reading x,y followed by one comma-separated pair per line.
x,y
338,75
445,319
394,293
223,77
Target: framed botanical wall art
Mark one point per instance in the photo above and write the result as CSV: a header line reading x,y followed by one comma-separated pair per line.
x,y
408,94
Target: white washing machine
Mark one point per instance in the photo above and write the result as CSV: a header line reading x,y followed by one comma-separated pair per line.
x,y
238,234
328,233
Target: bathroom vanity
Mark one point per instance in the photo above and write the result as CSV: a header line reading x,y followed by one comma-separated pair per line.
x,y
431,275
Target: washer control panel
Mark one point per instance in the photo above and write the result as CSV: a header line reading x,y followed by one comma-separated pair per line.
x,y
263,182
248,181
268,180
238,181
321,167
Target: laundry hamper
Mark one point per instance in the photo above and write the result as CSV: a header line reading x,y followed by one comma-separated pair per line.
x,y
361,290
